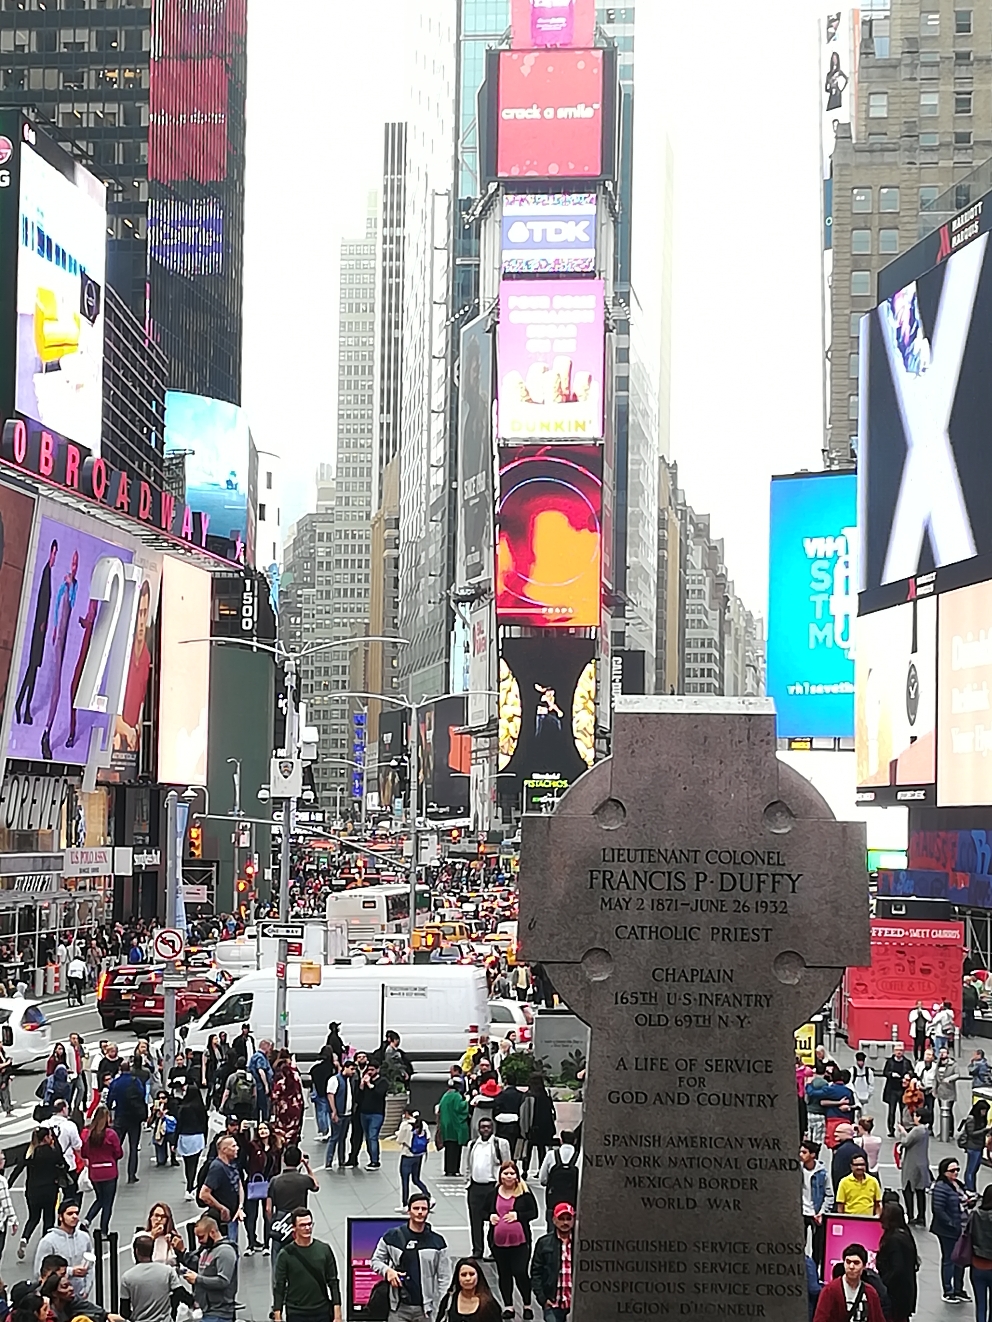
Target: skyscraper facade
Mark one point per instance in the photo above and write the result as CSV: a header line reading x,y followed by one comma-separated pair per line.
x,y
150,95
427,461
920,108
383,658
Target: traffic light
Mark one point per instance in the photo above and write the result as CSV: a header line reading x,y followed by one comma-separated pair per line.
x,y
242,895
195,840
250,871
455,834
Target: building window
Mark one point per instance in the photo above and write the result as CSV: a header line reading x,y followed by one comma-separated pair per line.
x,y
852,407
929,23
929,104
888,241
928,197
860,200
261,512
929,139
861,284
962,196
962,57
852,366
268,481
880,32
962,22
855,326
888,199
878,105
962,103
860,241
962,138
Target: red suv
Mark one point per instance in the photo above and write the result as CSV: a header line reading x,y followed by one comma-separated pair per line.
x,y
196,998
116,987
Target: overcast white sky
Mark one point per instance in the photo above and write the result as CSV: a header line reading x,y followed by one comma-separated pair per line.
x,y
737,90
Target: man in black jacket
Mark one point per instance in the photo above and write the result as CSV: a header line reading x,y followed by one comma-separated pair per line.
x,y
551,1266
372,1111
896,1069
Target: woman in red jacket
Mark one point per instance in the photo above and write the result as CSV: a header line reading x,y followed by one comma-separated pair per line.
x,y
848,1298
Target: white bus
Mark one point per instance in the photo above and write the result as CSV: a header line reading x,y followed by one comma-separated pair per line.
x,y
369,911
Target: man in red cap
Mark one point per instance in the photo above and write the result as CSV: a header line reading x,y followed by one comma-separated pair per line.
x,y
551,1266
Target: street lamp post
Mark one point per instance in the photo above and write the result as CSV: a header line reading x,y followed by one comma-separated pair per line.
x,y
290,661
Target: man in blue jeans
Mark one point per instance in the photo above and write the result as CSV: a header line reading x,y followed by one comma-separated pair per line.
x,y
372,1111
341,1093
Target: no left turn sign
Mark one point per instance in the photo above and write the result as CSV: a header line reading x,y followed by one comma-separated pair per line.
x,y
169,943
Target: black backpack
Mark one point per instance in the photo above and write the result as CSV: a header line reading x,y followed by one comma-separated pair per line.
x,y
377,1308
563,1180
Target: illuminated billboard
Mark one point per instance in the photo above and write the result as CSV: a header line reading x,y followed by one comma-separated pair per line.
x,y
549,541
550,359
184,686
549,110
925,483
186,235
221,464
187,130
538,23
61,274
896,700
548,232
812,604
445,758
16,524
85,659
547,709
964,771
476,453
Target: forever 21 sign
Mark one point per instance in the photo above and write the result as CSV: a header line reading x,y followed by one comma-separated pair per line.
x,y
116,587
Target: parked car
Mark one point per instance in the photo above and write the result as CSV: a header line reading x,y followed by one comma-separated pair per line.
x,y
24,1030
192,1000
116,987
512,1016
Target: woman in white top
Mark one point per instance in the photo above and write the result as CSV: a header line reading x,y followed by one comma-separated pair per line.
x,y
871,1144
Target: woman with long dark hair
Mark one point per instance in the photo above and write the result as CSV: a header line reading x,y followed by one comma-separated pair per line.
x,y
287,1100
469,1295
191,1133
543,1122
161,1226
975,1130
262,1161
102,1151
46,1168
897,1262
214,1069
835,84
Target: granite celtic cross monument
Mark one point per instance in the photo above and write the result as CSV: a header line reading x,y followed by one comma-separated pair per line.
x,y
694,900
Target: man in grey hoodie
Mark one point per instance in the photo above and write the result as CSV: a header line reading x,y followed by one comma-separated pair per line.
x,y
212,1272
72,1241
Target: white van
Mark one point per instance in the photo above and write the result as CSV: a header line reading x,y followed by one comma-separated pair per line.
x,y
438,1010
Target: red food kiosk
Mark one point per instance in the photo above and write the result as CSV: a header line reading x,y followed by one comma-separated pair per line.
x,y
910,961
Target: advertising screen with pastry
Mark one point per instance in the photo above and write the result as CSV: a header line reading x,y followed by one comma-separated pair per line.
x,y
549,346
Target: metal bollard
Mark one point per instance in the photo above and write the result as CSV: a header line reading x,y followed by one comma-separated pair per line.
x,y
115,1287
946,1122
98,1250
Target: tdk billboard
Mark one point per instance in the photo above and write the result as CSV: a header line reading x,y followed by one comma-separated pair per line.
x,y
813,604
547,232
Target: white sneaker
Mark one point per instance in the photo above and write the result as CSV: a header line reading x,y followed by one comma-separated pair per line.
x,y
266,1251
187,1197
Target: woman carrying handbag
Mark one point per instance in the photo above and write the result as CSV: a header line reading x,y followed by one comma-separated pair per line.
x,y
947,1203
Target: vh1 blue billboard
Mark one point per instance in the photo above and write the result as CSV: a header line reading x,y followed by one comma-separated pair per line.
x,y
812,604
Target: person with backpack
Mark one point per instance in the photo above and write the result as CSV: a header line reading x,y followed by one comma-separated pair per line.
x,y
972,1136
414,1139
239,1094
306,1284
287,1192
129,1110
559,1175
